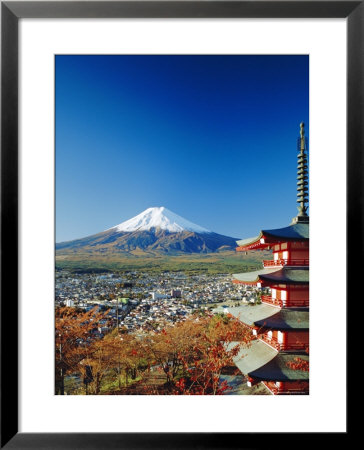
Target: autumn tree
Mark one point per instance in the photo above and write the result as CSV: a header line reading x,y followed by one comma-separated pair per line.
x,y
167,346
73,340
111,356
130,356
193,353
218,344
99,359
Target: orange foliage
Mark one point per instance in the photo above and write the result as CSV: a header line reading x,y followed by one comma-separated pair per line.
x,y
299,364
190,354
73,340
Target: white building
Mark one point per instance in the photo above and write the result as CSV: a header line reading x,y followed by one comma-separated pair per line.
x,y
157,296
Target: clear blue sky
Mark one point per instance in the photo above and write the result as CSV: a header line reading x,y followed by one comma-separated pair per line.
x,y
212,138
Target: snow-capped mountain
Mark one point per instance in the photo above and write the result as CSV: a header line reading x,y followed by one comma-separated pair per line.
x,y
159,217
155,231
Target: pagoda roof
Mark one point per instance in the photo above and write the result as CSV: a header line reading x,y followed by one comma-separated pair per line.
x,y
253,277
288,275
283,275
263,362
286,319
249,241
253,357
251,313
277,369
272,317
295,232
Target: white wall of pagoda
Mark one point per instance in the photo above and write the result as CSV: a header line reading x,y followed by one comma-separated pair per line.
x,y
295,253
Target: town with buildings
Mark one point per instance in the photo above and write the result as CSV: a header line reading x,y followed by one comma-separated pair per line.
x,y
145,301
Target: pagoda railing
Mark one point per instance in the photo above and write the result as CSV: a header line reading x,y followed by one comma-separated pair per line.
x,y
288,303
272,301
286,262
286,389
273,342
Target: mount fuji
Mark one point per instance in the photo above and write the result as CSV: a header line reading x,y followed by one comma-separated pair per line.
x,y
155,231
159,218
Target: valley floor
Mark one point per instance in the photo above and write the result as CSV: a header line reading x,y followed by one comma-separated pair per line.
x,y
222,262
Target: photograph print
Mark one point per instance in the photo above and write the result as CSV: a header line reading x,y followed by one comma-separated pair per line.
x,y
182,225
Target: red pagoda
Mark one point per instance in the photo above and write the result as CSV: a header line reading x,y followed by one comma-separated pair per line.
x,y
278,356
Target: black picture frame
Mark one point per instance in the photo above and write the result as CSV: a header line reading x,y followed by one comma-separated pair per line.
x,y
11,12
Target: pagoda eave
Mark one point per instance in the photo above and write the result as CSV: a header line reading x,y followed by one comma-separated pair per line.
x,y
294,319
253,246
251,358
271,317
262,362
298,232
249,314
279,368
286,275
274,276
252,278
295,232
254,243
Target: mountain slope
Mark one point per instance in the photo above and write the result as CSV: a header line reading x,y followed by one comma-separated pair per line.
x,y
156,231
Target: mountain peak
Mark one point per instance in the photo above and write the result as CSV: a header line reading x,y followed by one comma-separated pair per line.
x,y
159,217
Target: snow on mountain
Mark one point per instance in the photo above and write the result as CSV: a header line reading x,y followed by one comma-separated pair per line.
x,y
159,217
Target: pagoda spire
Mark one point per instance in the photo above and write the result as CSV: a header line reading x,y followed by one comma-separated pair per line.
x,y
302,177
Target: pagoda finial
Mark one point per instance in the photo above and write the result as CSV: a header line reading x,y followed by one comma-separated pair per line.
x,y
302,177
302,129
